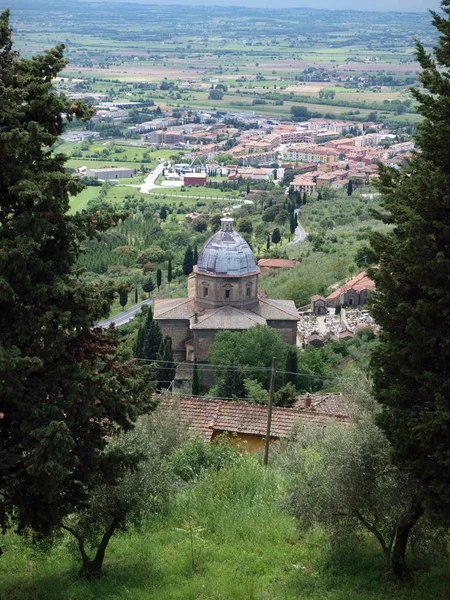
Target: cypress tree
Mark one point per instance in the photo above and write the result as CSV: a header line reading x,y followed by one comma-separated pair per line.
x,y
195,255
268,242
232,383
349,187
64,388
148,286
142,334
291,367
169,271
411,367
136,297
158,278
165,370
292,223
152,341
123,298
276,236
195,379
188,262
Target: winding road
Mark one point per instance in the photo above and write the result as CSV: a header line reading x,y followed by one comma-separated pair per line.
x,y
300,233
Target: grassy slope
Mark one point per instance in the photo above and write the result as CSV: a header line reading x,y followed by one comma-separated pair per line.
x,y
246,548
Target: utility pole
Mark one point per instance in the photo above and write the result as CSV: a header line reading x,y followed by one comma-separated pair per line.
x,y
269,414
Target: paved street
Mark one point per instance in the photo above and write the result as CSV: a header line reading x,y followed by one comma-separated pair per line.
x,y
149,183
124,317
300,233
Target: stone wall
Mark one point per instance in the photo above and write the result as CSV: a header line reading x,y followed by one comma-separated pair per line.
x,y
217,291
178,330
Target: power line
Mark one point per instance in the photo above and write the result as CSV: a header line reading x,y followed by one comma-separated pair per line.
x,y
206,367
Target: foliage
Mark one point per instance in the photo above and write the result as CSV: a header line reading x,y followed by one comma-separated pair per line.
x,y
115,506
255,392
343,479
286,396
153,254
165,371
254,347
65,388
291,367
411,366
149,338
188,262
195,457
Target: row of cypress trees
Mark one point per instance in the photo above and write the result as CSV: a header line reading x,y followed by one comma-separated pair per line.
x,y
151,345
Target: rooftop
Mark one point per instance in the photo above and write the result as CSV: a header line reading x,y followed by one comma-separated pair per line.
x,y
206,416
226,253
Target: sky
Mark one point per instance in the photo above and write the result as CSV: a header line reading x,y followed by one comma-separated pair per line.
x,y
377,5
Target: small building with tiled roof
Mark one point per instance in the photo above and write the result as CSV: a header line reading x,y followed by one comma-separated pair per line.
x,y
355,292
330,403
244,421
268,264
223,295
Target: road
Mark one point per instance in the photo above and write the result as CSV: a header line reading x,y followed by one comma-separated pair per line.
x,y
300,233
124,317
149,183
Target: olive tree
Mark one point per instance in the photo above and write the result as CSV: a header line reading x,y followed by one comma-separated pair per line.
x,y
342,479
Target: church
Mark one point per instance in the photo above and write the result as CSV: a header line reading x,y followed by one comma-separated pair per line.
x,y
223,295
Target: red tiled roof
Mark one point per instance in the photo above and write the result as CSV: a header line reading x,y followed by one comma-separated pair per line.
x,y
358,283
204,416
280,263
330,404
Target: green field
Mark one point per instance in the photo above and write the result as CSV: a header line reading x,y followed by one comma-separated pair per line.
x,y
245,548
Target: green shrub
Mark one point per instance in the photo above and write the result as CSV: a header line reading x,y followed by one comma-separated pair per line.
x,y
194,457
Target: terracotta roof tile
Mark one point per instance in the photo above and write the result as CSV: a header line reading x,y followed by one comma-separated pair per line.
x,y
358,283
174,308
228,317
329,404
204,416
276,310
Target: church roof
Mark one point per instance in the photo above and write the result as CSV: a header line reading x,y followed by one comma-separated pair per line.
x,y
174,308
276,310
227,317
226,253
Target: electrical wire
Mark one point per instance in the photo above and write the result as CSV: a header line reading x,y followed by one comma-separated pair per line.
x,y
206,367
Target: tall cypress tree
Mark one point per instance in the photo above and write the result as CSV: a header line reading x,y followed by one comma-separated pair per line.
x,y
139,346
152,341
195,254
165,370
291,366
158,278
411,367
64,389
188,262
349,187
195,379
292,223
169,271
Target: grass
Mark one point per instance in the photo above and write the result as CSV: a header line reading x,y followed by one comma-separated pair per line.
x,y
246,548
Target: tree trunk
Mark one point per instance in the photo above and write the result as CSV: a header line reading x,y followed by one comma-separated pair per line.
x,y
399,567
92,569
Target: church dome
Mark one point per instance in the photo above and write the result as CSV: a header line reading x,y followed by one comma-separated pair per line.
x,y
226,253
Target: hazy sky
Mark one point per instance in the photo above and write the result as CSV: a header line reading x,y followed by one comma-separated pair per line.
x,y
386,5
